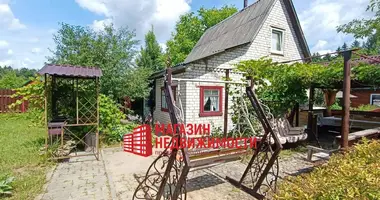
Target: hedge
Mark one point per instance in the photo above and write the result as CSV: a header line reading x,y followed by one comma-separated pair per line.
x,y
353,175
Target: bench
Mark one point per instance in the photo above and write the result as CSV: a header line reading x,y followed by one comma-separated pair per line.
x,y
289,134
356,136
312,149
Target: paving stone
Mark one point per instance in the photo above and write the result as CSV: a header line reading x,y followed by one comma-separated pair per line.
x,y
113,176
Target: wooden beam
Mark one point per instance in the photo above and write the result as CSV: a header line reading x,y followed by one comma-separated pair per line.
x,y
226,104
346,99
310,112
297,114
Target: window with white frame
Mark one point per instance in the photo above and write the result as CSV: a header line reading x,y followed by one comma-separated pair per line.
x,y
375,99
211,101
277,41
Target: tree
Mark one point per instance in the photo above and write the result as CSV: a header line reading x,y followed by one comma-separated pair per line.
x,y
23,72
316,57
190,28
10,80
112,50
355,44
366,28
328,57
344,47
151,56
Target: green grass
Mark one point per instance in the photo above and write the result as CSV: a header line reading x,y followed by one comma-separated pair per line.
x,y
20,143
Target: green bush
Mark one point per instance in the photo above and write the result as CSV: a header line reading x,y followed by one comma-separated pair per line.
x,y
336,106
116,133
367,107
110,115
110,121
353,175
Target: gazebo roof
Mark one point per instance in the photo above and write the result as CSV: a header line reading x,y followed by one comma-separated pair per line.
x,y
71,71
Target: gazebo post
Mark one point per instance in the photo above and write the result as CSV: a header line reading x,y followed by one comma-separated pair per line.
x,y
346,99
226,104
310,112
97,120
46,120
76,99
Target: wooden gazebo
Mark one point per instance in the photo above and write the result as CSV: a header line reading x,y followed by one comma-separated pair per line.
x,y
346,85
72,110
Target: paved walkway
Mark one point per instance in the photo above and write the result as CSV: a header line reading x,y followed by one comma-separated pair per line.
x,y
80,178
112,177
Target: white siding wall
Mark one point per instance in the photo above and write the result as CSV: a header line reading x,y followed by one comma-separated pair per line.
x,y
210,69
198,71
162,116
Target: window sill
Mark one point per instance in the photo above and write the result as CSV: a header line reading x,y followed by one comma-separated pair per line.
x,y
164,109
277,53
210,114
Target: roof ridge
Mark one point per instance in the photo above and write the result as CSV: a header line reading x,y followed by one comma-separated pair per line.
x,y
68,65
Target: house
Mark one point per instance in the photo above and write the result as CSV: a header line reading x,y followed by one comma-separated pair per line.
x,y
362,94
265,28
365,96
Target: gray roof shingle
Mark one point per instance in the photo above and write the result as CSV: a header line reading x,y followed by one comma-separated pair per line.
x,y
239,29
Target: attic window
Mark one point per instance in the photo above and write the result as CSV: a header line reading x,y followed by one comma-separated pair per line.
x,y
277,41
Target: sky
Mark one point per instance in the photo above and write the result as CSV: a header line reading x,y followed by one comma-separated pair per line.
x,y
27,26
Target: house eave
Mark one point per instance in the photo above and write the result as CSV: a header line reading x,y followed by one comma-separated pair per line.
x,y
177,69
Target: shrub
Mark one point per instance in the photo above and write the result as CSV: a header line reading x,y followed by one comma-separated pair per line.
x,y
352,175
110,121
116,134
336,106
367,107
109,113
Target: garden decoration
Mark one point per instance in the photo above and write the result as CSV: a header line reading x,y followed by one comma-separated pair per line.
x,y
72,110
167,175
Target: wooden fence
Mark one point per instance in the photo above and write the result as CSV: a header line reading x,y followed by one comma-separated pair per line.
x,y
6,100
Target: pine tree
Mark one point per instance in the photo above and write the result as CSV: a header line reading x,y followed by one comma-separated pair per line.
x,y
151,56
316,57
327,57
344,47
355,44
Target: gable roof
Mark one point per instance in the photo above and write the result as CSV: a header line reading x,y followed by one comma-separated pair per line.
x,y
242,28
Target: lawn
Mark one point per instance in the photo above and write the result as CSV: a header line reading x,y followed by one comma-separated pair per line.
x,y
20,143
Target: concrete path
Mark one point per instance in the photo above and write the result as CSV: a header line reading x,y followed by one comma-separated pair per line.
x,y
113,177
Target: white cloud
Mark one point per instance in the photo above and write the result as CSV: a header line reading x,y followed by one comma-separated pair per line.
x,y
163,46
99,25
138,15
10,52
36,50
321,17
3,44
97,7
8,20
6,62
